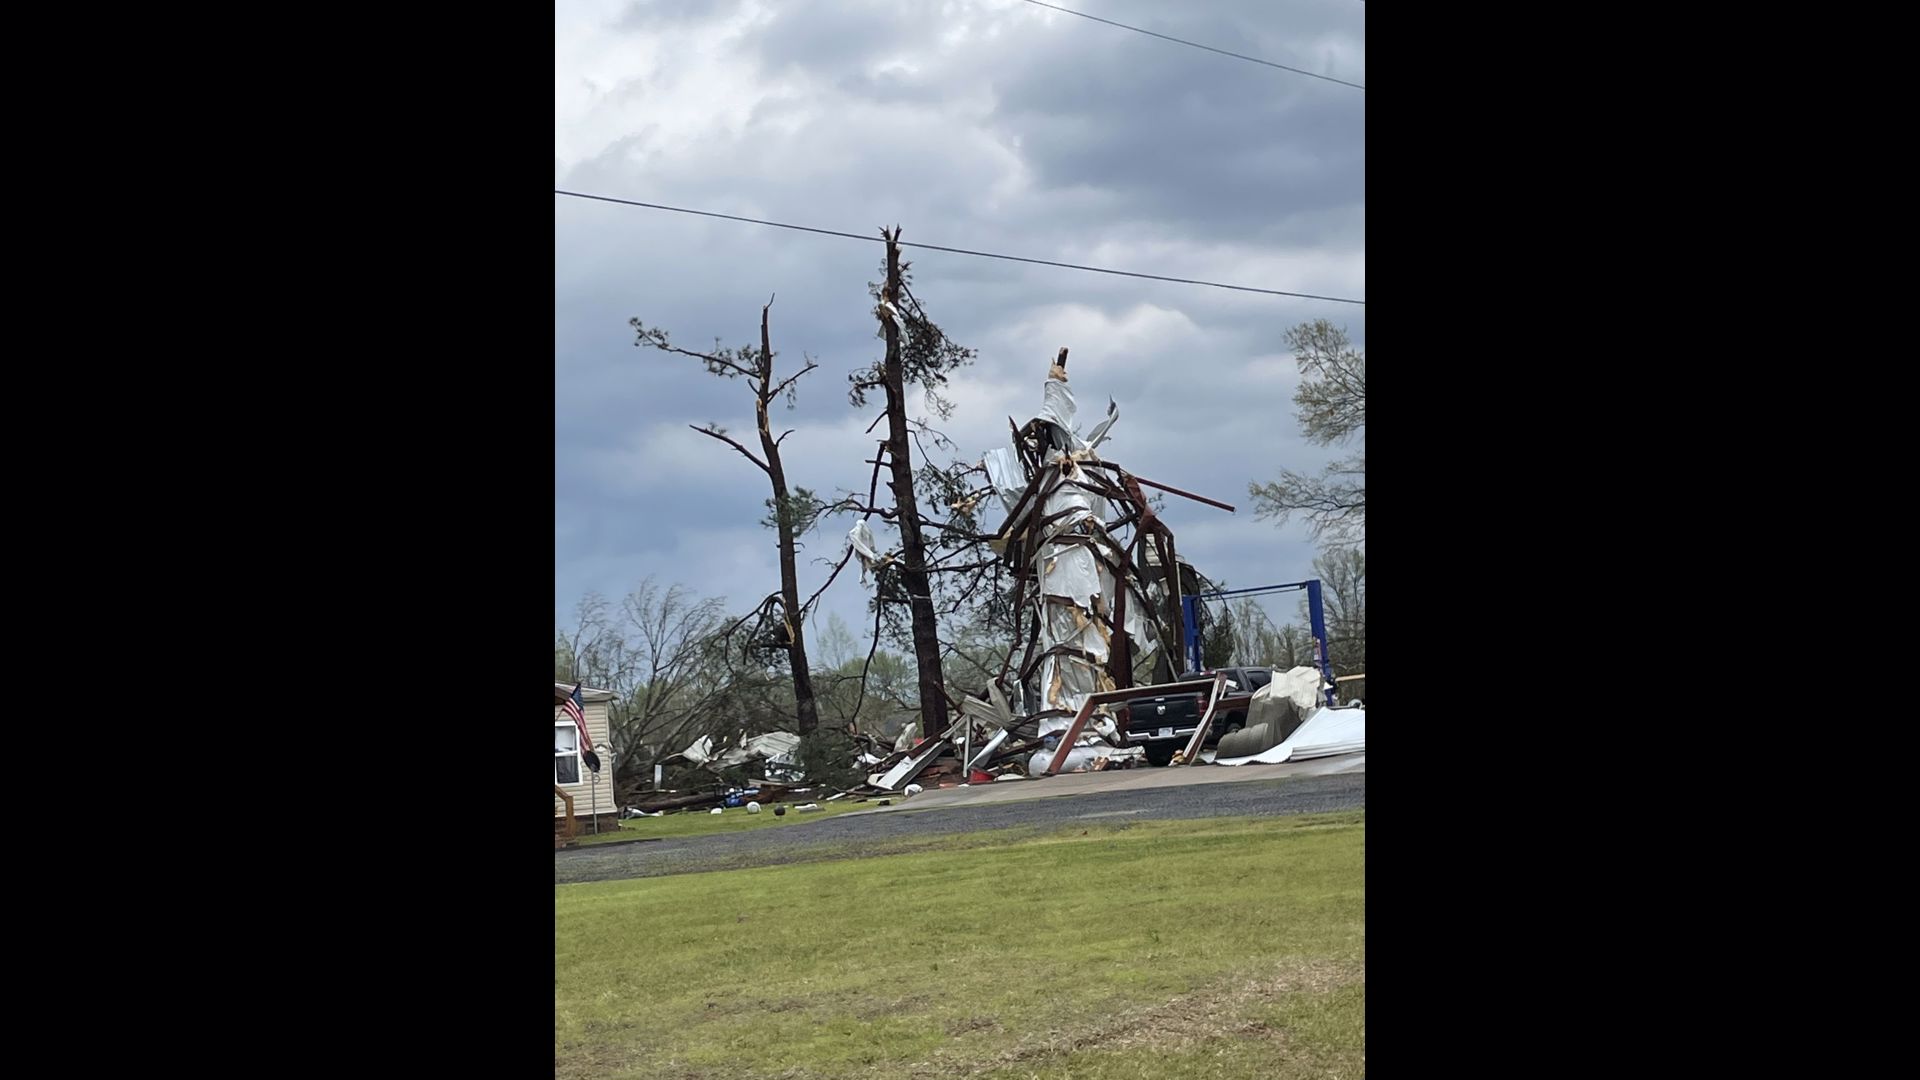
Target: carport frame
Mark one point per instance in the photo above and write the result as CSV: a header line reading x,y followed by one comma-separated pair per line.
x,y
1108,697
1316,618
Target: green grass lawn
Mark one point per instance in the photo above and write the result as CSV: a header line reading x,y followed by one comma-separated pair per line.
x,y
1219,948
701,823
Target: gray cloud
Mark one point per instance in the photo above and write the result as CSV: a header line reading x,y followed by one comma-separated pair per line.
x,y
989,125
645,16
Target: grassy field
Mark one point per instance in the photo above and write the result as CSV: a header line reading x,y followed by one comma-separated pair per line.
x,y
701,823
1219,948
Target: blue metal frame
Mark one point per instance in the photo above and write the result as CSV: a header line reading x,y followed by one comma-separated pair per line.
x,y
1316,616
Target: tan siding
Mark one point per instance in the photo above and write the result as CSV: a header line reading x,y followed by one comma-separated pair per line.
x,y
584,792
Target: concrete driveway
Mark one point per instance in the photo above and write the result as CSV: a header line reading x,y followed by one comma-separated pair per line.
x,y
1118,780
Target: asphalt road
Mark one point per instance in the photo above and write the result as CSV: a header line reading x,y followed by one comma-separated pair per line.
x,y
881,834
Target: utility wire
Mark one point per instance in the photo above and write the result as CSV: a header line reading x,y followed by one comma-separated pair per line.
x,y
958,251
1197,45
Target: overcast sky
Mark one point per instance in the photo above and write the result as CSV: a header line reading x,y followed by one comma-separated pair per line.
x,y
995,125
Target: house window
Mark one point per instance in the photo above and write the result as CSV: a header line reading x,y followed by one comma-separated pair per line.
x,y
566,752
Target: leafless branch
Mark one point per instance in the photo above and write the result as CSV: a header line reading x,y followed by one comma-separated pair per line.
x,y
953,649
841,565
715,432
864,668
712,359
790,380
965,566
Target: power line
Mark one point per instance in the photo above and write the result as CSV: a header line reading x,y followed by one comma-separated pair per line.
x,y
1197,45
958,251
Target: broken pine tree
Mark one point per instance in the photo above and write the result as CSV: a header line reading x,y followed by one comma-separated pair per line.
x,y
918,353
777,623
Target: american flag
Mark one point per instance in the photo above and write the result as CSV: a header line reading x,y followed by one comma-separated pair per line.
x,y
572,706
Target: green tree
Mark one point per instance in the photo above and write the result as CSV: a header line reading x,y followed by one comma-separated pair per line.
x,y
834,646
1220,640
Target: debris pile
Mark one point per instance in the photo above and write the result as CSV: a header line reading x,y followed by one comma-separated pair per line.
x,y
1097,584
778,749
1299,731
1097,578
1097,591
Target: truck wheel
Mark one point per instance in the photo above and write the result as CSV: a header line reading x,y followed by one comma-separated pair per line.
x,y
1161,753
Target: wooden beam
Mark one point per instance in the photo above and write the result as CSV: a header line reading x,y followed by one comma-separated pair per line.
x,y
1192,752
1185,494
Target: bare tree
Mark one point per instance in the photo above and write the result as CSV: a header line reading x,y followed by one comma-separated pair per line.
x,y
589,652
1291,646
671,638
659,653
779,621
1263,642
1343,578
1332,408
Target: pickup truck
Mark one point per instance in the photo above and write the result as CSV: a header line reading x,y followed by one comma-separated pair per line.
x,y
1164,723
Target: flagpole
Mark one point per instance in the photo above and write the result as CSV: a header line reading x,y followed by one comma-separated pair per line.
x,y
578,706
595,774
594,783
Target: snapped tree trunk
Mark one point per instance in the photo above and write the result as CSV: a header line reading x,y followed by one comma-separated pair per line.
x,y
808,713
913,572
789,633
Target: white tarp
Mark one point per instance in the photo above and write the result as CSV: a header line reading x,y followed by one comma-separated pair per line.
x,y
1099,433
860,539
1302,684
1082,758
773,746
1079,759
1070,583
1327,732
776,746
1075,590
700,751
1075,502
1057,409
1003,472
908,767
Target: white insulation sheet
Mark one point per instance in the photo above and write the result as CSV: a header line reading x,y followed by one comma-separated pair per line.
x,y
1327,732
